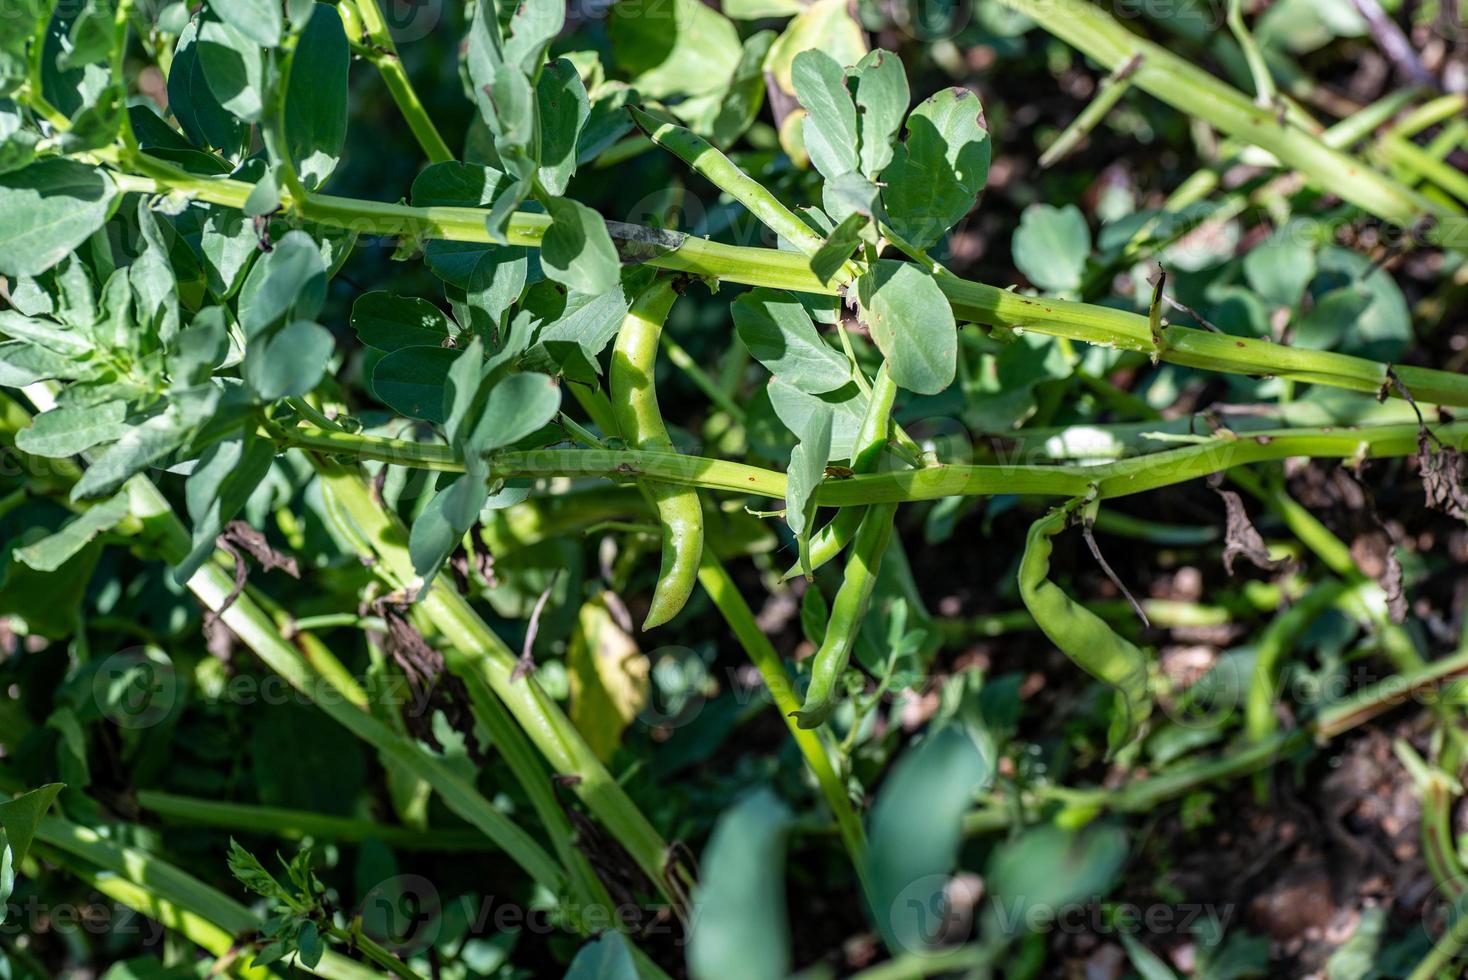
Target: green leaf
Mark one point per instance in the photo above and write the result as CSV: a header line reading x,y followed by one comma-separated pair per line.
x,y
289,362
838,246
570,329
228,244
882,97
849,194
433,537
411,381
760,9
804,476
234,68
51,207
464,185
534,24
66,431
740,929
45,333
830,129
561,101
157,135
264,199
464,394
316,106
780,335
1149,966
198,349
1354,959
51,552
606,958
258,20
21,816
912,324
492,286
155,288
674,47
508,106
1302,26
227,474
17,142
1331,320
577,251
815,615
1051,246
1035,875
139,447
288,282
387,321
7,883
14,63
205,121
916,828
22,363
455,184
1383,330
1279,270
796,411
484,63
89,39
310,946
731,113
517,406
939,170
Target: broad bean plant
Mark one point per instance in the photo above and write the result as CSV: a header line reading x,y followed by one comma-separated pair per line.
x,y
486,467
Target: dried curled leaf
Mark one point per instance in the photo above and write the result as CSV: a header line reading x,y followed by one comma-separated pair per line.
x,y
1241,538
1444,476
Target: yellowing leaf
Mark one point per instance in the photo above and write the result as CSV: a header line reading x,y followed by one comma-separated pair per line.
x,y
826,25
609,678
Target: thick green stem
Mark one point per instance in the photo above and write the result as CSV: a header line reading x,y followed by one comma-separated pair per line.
x,y
384,57
1146,794
230,959
1193,91
812,744
1264,90
1124,477
1108,94
1274,643
374,952
481,658
213,586
273,128
708,160
298,824
972,302
150,885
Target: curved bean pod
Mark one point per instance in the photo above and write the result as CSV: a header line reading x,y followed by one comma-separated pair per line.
x,y
847,612
831,540
1080,634
635,405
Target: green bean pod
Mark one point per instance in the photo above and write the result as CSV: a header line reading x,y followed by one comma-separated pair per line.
x,y
871,440
711,163
847,612
635,404
1080,634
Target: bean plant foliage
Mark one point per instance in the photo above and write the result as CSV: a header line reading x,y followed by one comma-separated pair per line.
x,y
530,491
